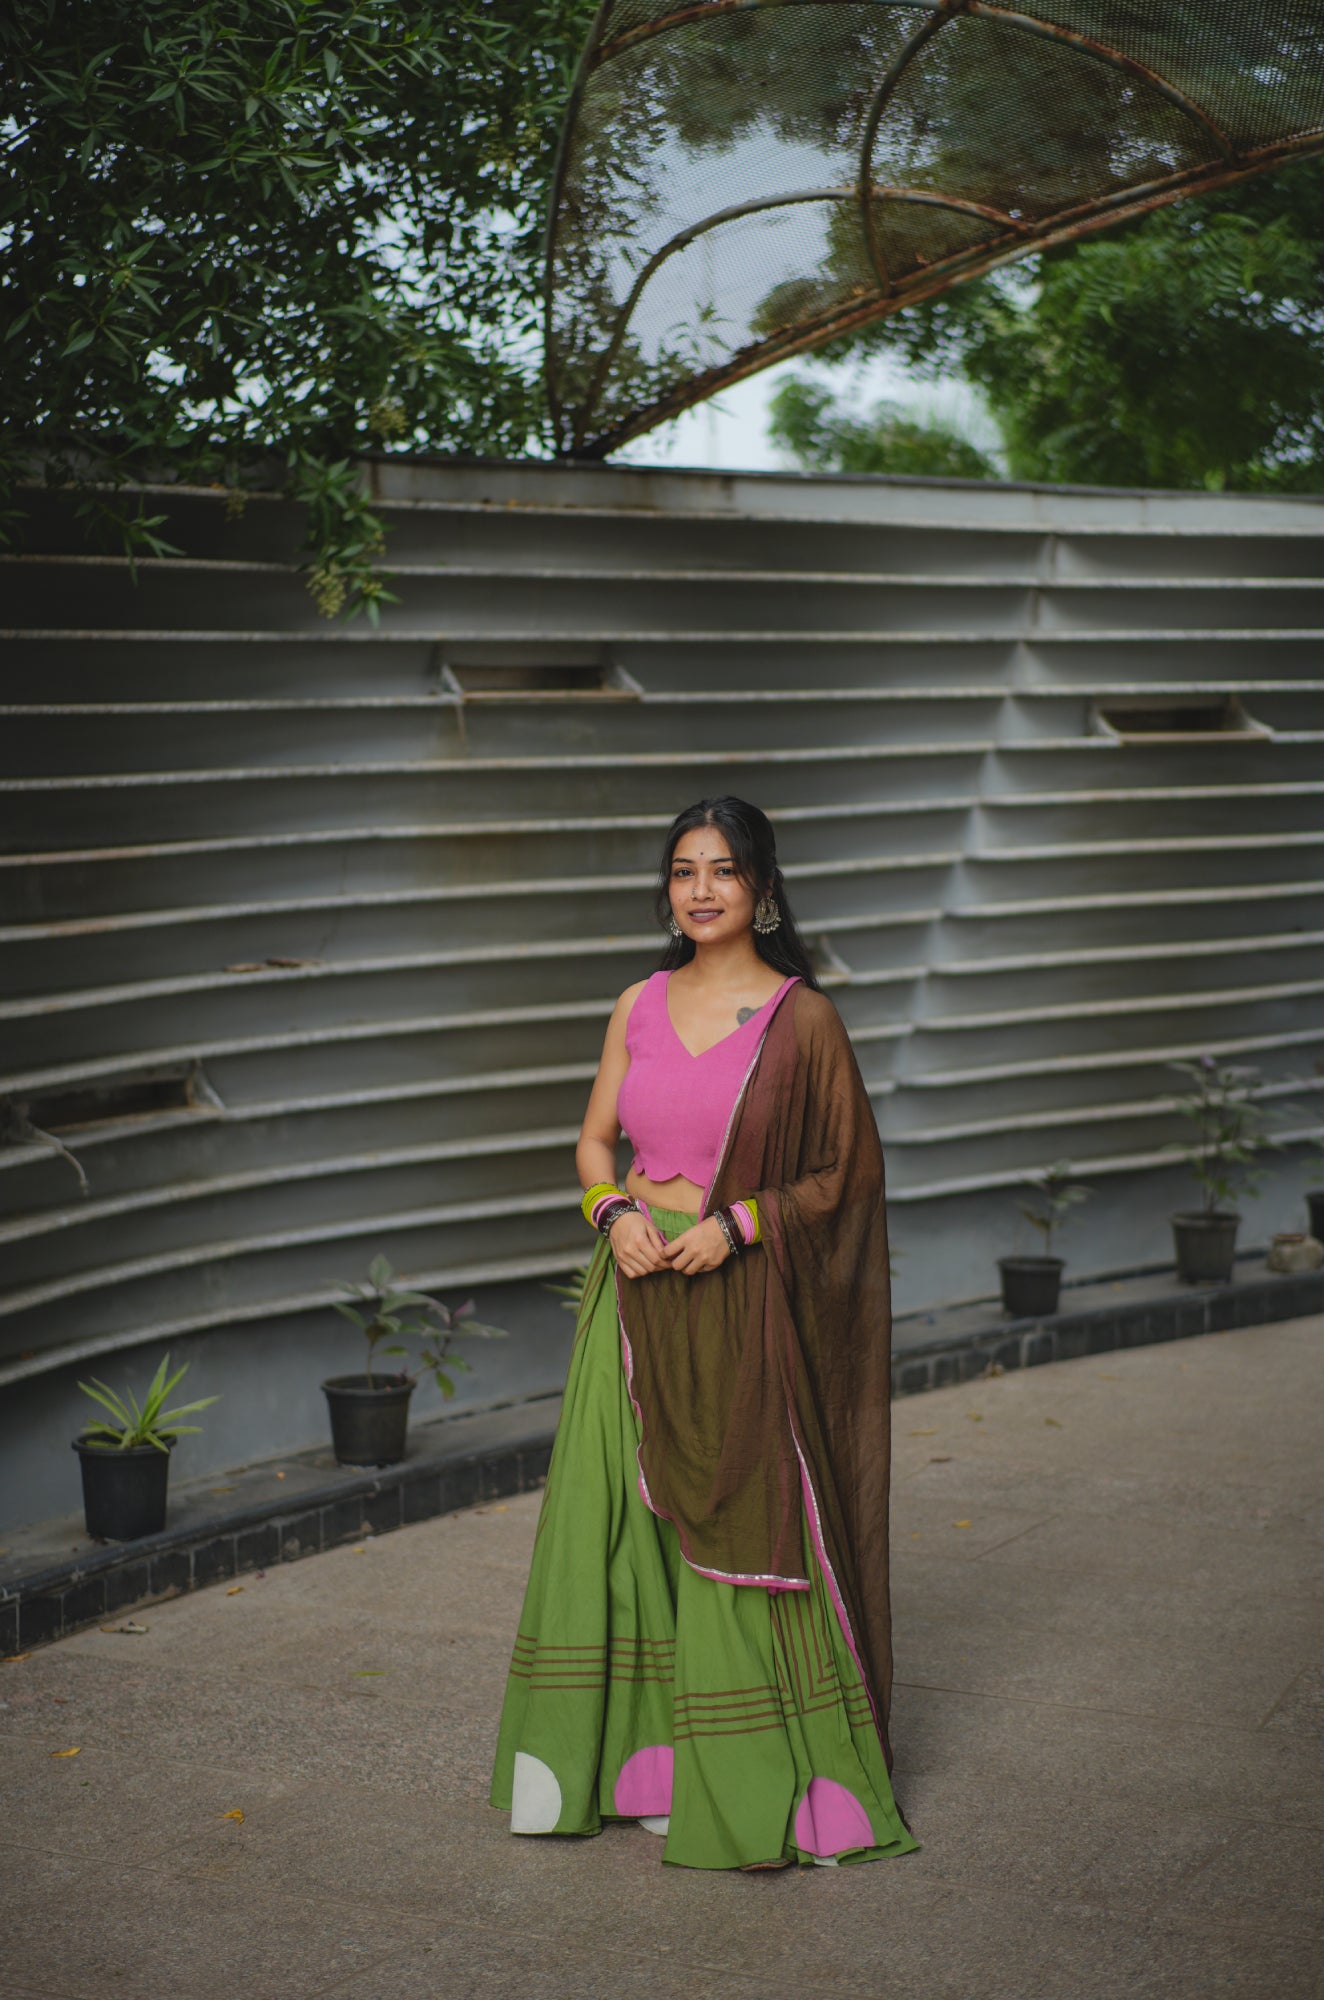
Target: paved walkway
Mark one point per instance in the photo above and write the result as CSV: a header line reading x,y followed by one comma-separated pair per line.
x,y
1110,1702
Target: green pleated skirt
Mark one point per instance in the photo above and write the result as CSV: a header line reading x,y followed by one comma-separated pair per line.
x,y
729,1719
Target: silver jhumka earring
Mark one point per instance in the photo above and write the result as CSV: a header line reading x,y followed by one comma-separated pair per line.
x,y
766,915
673,926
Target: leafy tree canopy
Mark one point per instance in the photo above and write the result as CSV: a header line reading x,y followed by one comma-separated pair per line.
x,y
1185,349
233,230
822,434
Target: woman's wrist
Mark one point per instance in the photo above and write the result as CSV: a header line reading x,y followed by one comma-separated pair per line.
x,y
595,1200
745,1215
730,1229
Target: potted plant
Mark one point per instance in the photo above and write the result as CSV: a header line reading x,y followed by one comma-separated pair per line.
x,y
1229,1136
1030,1284
126,1463
1315,1193
370,1412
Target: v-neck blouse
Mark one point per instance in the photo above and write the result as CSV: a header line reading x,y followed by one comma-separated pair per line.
x,y
676,1106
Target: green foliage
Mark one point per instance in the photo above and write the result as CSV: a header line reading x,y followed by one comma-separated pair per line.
x,y
151,1423
1059,1194
1184,349
572,1295
822,434
242,242
1229,1128
414,1317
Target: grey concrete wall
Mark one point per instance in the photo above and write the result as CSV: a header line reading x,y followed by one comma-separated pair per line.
x,y
310,931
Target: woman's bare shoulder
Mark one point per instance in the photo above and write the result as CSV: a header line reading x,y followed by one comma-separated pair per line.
x,y
625,1005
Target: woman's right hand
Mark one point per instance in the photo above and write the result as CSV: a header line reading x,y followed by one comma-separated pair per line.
x,y
636,1244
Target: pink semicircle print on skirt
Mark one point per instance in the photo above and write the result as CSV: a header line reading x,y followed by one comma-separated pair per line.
x,y
829,1819
643,1789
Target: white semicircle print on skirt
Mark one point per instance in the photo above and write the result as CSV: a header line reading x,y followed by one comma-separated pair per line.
x,y
536,1796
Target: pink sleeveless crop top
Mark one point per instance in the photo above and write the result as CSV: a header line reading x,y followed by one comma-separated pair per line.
x,y
674,1106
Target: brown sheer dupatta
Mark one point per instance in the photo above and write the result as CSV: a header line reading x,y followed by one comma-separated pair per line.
x,y
778,1364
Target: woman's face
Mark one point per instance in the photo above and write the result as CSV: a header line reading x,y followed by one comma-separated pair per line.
x,y
708,900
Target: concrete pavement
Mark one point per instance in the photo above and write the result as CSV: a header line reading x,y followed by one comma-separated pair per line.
x,y
1108,1588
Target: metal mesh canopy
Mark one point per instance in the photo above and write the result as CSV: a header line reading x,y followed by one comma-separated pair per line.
x,y
743,179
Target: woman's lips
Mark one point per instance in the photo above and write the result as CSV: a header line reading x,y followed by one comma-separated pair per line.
x,y
704,916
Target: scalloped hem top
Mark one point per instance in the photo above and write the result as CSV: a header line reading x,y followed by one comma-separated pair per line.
x,y
674,1106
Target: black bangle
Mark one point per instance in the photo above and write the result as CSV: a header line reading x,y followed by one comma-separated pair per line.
x,y
729,1227
615,1211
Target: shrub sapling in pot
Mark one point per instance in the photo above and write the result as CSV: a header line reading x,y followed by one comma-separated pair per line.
x,y
126,1463
1228,1136
1030,1285
370,1412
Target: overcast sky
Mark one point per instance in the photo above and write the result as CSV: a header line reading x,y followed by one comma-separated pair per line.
x,y
729,433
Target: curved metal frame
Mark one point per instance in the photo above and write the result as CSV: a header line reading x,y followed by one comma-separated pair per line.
x,y
1017,237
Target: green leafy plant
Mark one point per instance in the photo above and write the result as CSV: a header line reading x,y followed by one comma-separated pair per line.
x,y
572,1295
1059,1194
151,1423
248,242
1229,1126
382,1313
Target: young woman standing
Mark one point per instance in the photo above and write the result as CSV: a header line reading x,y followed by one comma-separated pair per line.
x,y
705,1645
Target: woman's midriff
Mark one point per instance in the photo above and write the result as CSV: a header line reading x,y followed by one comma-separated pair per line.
x,y
675,1193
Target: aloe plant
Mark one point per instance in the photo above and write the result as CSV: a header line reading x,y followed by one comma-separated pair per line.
x,y
152,1423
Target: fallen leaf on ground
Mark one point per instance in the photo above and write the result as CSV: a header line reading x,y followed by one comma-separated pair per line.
x,y
501,1510
222,1489
234,1590
974,1416
12,1659
932,1431
940,1458
131,1627
237,1814
280,1475
67,1753
1053,1421
962,1524
368,1673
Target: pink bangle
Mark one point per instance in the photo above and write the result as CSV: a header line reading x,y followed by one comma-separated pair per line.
x,y
745,1219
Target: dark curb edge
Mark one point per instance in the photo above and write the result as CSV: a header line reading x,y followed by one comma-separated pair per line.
x,y
54,1602
51,1603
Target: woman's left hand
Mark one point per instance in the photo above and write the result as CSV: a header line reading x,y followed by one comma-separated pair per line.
x,y
701,1248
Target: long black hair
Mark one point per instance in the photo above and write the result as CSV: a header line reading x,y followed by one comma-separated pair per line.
x,y
753,848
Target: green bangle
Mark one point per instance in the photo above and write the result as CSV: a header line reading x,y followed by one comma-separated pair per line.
x,y
594,1195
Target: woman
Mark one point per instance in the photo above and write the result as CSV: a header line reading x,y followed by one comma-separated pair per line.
x,y
705,1645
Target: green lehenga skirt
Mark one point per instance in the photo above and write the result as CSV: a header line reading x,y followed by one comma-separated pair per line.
x,y
731,1719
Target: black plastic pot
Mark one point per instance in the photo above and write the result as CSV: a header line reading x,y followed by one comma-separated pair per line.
x,y
1206,1244
124,1491
369,1418
1315,1207
1030,1285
